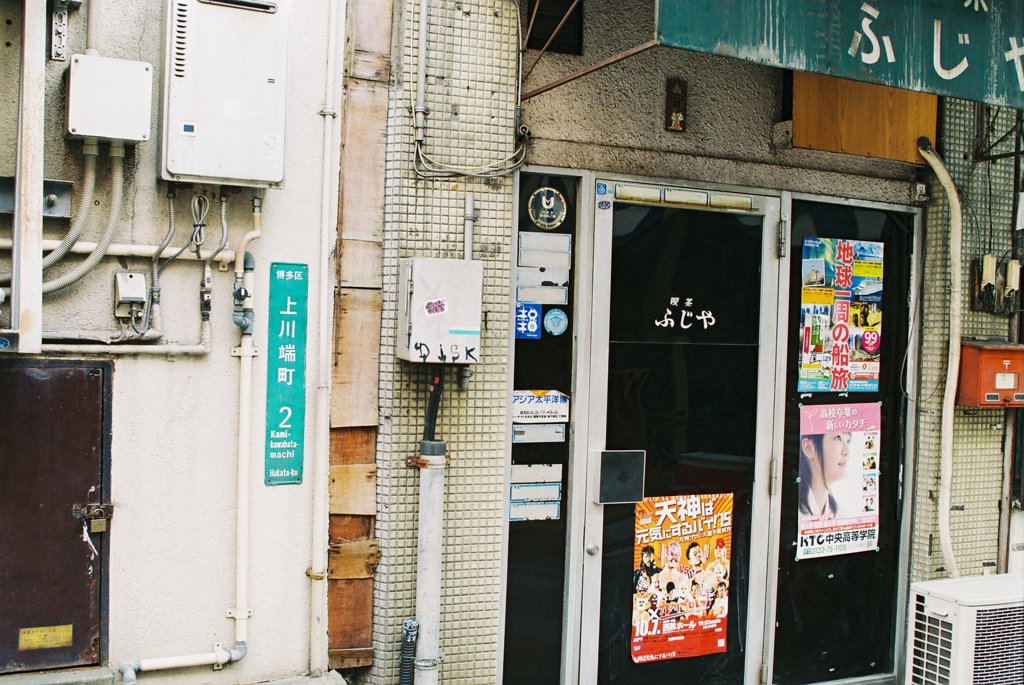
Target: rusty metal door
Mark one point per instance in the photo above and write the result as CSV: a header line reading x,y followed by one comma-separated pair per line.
x,y
53,451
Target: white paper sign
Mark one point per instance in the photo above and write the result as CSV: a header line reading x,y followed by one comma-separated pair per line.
x,y
539,406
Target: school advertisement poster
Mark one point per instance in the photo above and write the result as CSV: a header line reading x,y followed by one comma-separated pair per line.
x,y
838,487
681,576
840,315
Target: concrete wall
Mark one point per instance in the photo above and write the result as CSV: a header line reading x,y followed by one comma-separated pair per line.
x,y
172,539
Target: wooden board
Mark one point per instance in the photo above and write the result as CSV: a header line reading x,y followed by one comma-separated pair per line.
x,y
360,264
356,445
350,613
369,25
839,115
350,528
348,560
362,162
357,353
341,659
353,489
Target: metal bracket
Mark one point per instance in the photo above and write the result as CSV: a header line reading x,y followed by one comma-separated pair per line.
x,y
234,613
56,197
237,352
217,646
421,463
59,28
773,477
782,238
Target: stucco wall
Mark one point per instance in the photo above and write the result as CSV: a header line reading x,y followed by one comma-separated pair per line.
x,y
173,462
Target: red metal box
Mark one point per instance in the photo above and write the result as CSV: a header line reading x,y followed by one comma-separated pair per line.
x,y
991,374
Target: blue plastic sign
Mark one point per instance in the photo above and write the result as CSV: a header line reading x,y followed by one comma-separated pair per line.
x,y
528,321
286,372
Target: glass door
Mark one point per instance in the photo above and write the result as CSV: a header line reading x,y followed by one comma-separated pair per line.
x,y
684,361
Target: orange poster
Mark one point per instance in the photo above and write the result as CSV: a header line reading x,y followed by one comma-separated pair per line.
x,y
681,576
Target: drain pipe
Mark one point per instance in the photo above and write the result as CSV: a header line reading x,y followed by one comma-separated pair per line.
x,y
243,315
953,354
331,122
472,216
420,110
431,462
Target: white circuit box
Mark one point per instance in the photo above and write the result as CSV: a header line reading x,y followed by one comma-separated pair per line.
x,y
439,310
225,63
109,99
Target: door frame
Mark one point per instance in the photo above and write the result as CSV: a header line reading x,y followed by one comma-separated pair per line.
x,y
905,497
587,573
581,475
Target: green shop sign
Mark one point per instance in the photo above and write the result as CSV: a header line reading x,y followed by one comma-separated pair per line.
x,y
970,49
286,372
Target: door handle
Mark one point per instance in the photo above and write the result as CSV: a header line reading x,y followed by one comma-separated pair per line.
x,y
593,549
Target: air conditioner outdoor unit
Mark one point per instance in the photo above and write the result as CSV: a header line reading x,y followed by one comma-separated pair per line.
x,y
967,631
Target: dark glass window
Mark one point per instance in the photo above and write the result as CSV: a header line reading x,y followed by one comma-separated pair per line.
x,y
549,15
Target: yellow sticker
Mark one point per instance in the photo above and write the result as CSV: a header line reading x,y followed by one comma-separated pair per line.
x,y
867,269
817,296
44,637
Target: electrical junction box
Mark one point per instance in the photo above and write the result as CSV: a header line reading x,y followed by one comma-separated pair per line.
x,y
109,99
439,310
223,119
991,374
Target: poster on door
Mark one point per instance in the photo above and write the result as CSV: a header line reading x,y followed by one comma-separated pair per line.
x,y
838,485
682,546
840,315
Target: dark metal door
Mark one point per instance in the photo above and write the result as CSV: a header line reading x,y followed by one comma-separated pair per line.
x,y
53,423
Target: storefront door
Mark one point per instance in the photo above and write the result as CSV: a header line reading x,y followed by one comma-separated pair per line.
x,y
684,368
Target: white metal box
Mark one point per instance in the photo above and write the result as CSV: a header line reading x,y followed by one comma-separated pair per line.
x,y
966,630
225,63
439,310
109,99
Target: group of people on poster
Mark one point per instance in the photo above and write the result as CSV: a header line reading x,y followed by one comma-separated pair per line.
x,y
681,576
698,588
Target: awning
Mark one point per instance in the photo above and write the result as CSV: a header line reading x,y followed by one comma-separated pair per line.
x,y
970,49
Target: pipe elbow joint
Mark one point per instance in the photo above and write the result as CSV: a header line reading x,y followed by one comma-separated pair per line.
x,y
238,652
249,262
128,672
924,144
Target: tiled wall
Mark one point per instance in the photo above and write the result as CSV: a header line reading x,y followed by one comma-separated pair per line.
x,y
978,438
471,99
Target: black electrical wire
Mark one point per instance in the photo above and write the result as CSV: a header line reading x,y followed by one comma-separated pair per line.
x,y
433,404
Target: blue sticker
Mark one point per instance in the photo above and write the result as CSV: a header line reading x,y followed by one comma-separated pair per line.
x,y
604,204
528,322
556,322
602,188
4,343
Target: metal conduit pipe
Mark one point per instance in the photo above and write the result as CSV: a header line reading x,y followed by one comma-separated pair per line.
x,y
953,355
113,221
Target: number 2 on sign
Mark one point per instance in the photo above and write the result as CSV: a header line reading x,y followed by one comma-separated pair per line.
x,y
286,421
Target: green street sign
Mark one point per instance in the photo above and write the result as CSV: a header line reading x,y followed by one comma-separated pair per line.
x,y
286,372
970,49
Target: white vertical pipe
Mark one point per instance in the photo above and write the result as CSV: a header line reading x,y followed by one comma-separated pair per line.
x,y
468,227
27,300
420,109
318,642
241,610
428,569
953,358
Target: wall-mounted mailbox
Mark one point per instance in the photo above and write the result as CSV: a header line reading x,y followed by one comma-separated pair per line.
x,y
991,375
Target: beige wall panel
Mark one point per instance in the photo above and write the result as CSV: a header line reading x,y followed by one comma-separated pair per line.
x,y
362,164
370,66
357,337
360,264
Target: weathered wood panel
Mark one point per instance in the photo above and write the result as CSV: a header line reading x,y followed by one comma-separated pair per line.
x,y
362,164
353,445
350,658
353,489
360,264
350,613
839,115
357,353
349,528
369,25
353,560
